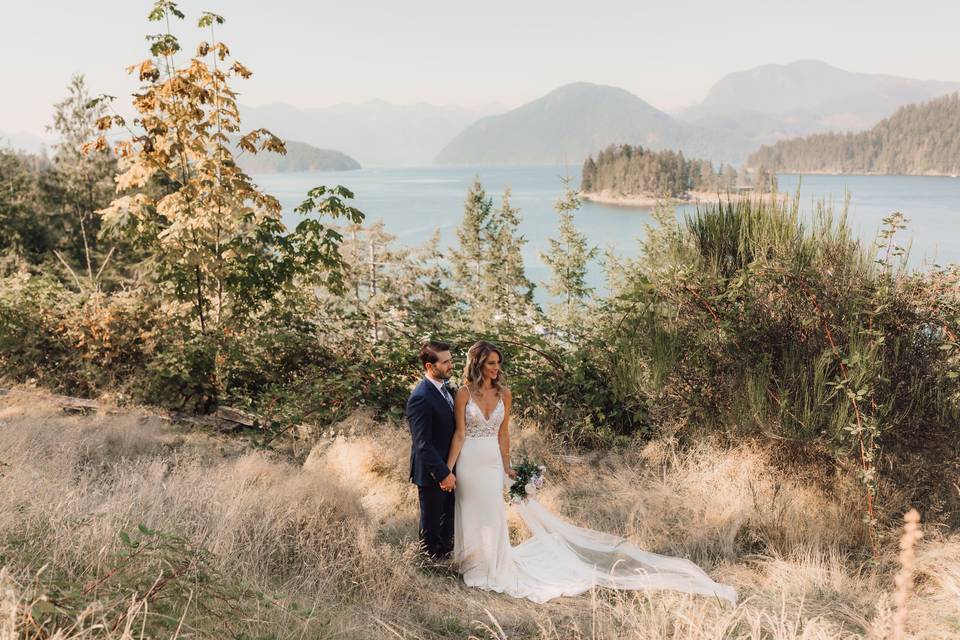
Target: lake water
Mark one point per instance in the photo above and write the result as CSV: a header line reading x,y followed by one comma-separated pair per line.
x,y
413,202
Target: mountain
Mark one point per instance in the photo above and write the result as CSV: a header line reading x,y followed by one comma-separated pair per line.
x,y
918,139
568,124
26,142
299,157
771,102
376,133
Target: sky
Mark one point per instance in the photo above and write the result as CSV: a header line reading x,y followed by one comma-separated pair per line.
x,y
471,54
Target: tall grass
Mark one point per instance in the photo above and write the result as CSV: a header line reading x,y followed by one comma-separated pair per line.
x,y
245,543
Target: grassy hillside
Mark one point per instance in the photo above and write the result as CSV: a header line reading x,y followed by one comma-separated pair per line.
x,y
320,541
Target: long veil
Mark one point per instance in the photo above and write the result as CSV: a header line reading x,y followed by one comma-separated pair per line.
x,y
582,558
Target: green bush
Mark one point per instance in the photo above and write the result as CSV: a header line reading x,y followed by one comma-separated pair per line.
x,y
747,320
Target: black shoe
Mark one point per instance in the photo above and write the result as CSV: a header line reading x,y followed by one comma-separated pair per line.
x,y
439,565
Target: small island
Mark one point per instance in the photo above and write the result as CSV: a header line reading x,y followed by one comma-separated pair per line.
x,y
632,176
300,156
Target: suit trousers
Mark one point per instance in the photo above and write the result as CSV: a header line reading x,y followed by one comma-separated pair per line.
x,y
436,520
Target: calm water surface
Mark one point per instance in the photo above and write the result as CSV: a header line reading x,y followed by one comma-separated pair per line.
x,y
413,202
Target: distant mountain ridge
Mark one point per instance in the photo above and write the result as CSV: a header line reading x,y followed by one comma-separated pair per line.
x,y
813,86
568,124
299,157
740,112
921,139
26,142
375,133
772,102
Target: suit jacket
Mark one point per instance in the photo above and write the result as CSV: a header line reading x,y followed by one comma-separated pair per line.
x,y
432,426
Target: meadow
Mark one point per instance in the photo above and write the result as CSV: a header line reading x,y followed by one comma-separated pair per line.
x,y
123,524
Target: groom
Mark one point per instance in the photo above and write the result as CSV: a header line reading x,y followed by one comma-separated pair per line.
x,y
430,413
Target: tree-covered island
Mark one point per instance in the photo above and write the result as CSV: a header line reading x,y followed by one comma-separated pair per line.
x,y
632,175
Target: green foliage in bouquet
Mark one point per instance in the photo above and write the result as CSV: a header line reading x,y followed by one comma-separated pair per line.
x,y
530,474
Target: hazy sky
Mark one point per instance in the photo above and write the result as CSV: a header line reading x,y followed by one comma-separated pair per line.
x,y
451,52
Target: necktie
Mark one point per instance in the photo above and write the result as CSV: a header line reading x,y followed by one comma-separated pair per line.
x,y
446,395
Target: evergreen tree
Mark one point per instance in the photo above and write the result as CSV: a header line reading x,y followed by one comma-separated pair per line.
x,y
470,260
434,309
567,259
728,178
390,289
588,175
507,287
81,182
26,234
764,181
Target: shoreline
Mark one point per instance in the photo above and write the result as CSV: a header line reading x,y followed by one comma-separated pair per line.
x,y
824,172
649,201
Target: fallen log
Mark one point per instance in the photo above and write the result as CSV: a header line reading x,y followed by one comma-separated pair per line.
x,y
80,405
239,417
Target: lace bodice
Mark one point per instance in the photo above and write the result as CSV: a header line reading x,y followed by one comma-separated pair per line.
x,y
480,426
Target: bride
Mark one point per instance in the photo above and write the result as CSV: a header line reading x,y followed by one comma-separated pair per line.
x,y
559,559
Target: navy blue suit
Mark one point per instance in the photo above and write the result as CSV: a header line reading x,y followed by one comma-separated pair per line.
x,y
432,426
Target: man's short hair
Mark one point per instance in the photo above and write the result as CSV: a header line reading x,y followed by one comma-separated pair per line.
x,y
430,351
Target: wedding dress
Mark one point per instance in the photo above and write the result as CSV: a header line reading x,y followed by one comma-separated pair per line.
x,y
559,559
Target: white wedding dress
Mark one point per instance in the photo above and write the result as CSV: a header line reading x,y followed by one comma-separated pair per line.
x,y
559,559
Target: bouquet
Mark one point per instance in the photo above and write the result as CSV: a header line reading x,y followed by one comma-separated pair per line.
x,y
529,480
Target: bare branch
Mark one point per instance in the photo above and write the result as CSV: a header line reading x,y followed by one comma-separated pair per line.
x,y
70,269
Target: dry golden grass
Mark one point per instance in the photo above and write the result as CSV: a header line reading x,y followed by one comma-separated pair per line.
x,y
331,542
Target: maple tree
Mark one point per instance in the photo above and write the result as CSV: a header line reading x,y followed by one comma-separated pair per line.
x,y
214,240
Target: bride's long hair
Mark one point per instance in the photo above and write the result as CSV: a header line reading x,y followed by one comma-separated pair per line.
x,y
473,371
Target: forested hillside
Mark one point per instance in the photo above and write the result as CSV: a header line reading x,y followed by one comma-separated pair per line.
x,y
921,139
777,101
299,157
567,124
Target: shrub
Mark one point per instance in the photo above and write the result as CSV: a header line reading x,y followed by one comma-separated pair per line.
x,y
746,319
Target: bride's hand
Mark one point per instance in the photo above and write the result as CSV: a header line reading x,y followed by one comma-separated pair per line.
x,y
511,473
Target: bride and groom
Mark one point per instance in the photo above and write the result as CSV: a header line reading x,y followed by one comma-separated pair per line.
x,y
460,462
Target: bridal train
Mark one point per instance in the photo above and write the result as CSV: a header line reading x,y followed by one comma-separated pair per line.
x,y
559,559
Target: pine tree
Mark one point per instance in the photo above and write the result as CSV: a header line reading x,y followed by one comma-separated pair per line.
x,y
26,233
432,310
470,260
728,177
391,288
507,288
765,182
588,175
376,275
82,182
567,259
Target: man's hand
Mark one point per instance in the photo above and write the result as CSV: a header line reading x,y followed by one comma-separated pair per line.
x,y
449,483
